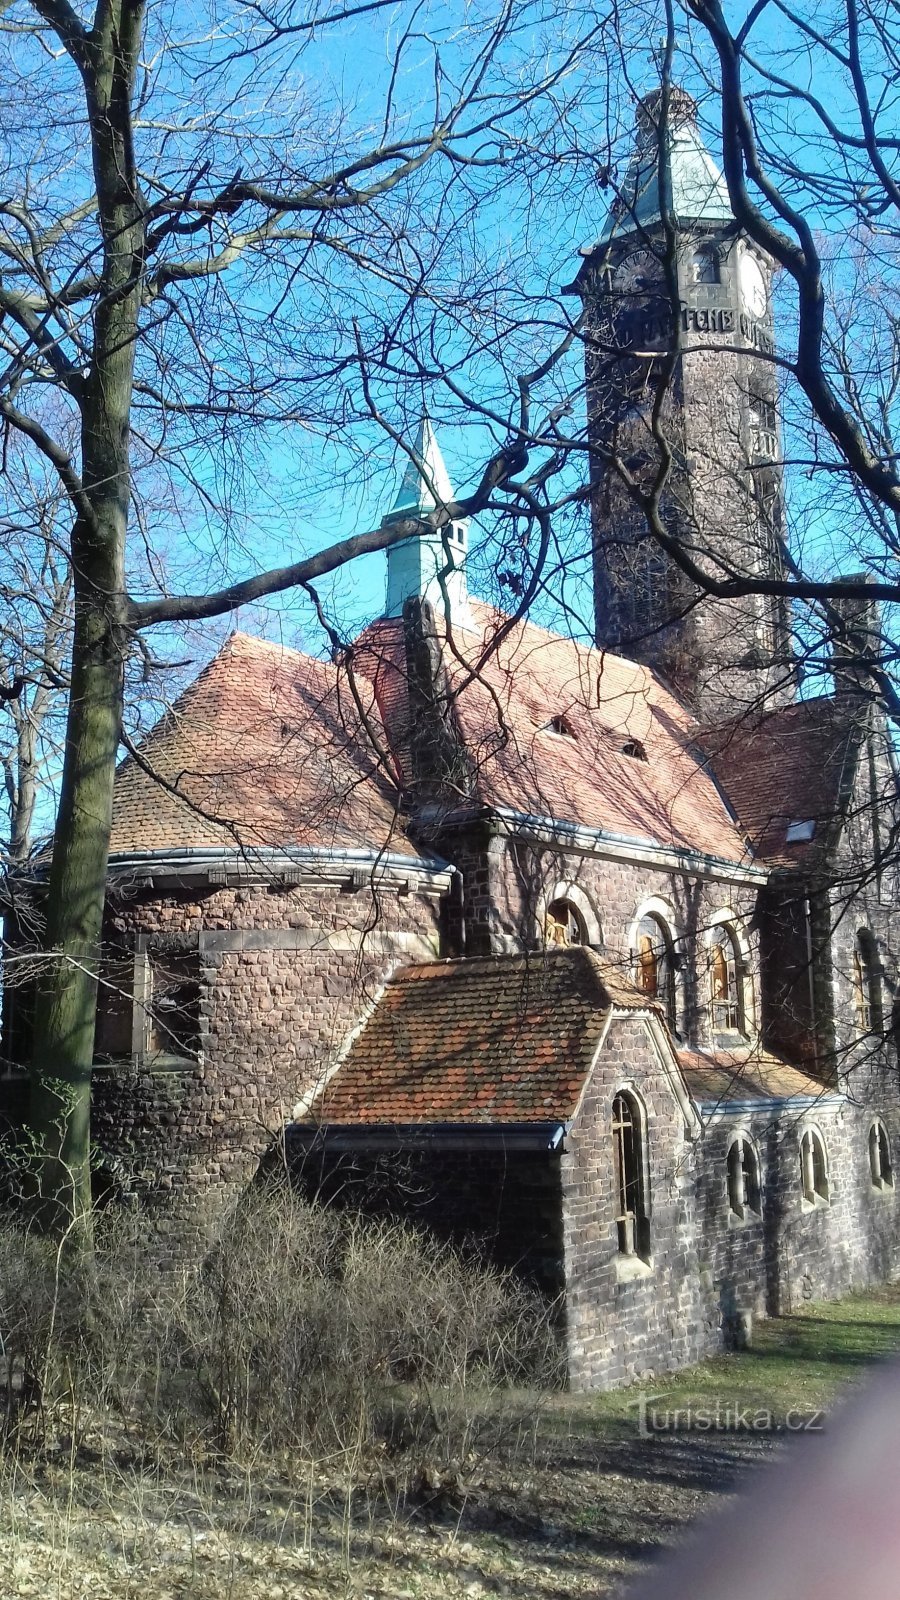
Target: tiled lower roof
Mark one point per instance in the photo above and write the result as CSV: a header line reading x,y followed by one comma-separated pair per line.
x,y
739,1077
482,1040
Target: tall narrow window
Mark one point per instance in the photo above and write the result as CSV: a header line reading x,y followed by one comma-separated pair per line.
x,y
880,1165
115,1007
563,925
655,965
743,1180
725,983
174,1010
813,1169
866,984
705,266
632,1220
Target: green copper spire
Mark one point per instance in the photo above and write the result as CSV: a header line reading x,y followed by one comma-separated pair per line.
x,y
431,566
694,189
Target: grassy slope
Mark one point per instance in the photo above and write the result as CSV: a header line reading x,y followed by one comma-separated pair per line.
x,y
569,1504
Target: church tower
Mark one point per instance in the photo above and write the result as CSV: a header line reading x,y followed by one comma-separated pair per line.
x,y
671,266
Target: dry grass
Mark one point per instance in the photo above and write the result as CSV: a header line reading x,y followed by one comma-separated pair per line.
x,y
411,1464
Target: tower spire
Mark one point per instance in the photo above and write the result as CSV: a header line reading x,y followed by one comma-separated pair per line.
x,y
431,565
693,188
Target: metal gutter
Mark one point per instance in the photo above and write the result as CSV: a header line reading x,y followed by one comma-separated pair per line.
x,y
305,860
711,1109
634,848
511,1136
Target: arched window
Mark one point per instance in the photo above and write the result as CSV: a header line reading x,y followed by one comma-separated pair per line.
x,y
743,1179
655,965
813,1169
632,1219
866,984
705,266
563,925
726,982
880,1168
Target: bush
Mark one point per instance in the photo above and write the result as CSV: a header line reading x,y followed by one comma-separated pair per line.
x,y
303,1328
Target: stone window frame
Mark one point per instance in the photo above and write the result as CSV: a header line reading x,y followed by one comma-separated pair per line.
x,y
745,998
706,255
815,1184
868,1000
567,892
881,1167
631,1171
661,913
147,946
744,1195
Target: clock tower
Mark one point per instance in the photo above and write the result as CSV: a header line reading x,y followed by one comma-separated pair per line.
x,y
672,272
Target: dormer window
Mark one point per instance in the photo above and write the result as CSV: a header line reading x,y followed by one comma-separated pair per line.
x,y
559,724
634,749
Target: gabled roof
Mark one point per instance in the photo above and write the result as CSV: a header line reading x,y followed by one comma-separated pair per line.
x,y
692,188
265,749
508,682
790,765
499,1039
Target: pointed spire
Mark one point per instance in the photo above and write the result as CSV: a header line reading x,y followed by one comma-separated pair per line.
x,y
431,566
694,189
419,488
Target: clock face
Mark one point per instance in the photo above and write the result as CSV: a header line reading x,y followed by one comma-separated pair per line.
x,y
637,271
753,286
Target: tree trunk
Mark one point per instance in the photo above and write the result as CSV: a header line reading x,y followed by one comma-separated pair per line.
x,y
66,1002
64,1015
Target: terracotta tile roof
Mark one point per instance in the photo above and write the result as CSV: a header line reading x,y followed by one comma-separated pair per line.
x,y
739,1076
790,765
583,777
497,1039
265,749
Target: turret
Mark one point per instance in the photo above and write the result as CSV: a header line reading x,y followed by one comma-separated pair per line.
x,y
432,566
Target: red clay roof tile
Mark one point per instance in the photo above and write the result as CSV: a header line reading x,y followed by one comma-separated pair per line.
x,y
490,1040
502,706
266,749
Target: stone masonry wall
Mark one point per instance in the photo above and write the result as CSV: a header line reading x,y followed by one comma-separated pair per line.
x,y
627,1321
507,882
285,975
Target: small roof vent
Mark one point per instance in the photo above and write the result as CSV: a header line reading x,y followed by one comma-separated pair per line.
x,y
634,749
800,832
561,725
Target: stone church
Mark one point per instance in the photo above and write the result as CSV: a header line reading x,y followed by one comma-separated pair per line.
x,y
582,950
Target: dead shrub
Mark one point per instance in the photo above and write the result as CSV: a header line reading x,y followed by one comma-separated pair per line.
x,y
303,1328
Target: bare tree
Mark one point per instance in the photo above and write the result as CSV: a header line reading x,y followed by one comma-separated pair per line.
x,y
199,253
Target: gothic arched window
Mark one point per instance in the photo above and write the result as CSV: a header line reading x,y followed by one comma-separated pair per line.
x,y
880,1165
726,982
655,965
814,1169
866,984
632,1218
563,925
743,1179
